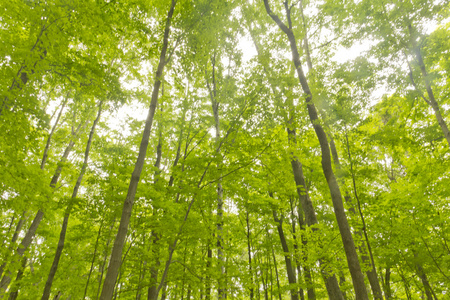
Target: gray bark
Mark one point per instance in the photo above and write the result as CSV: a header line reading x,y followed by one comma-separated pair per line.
x,y
26,241
336,197
62,235
431,99
116,255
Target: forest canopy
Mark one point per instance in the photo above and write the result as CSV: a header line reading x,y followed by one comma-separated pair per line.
x,y
238,149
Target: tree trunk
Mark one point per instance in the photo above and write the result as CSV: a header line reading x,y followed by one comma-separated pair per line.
x,y
105,257
220,257
344,228
372,272
310,289
276,273
93,260
208,267
115,260
62,235
426,284
331,282
26,241
431,100
249,251
289,268
14,239
387,284
52,131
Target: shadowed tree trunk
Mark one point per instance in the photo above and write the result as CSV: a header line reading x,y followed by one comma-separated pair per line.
x,y
289,268
431,101
336,197
26,241
62,235
93,260
215,108
115,260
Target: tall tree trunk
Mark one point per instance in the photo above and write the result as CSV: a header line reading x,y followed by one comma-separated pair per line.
x,y
153,286
14,239
305,203
426,284
331,283
208,280
26,241
387,284
93,261
289,268
215,108
115,260
431,100
276,272
62,235
105,257
344,228
310,289
249,251
372,272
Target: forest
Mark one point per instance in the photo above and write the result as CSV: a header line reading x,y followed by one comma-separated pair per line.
x,y
225,149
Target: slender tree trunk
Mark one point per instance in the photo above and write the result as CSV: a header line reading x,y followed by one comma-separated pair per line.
x,y
153,286
208,280
15,289
93,261
301,293
305,203
26,241
331,282
62,235
215,108
431,100
372,272
344,228
115,260
289,268
105,257
14,239
52,131
249,251
276,273
426,284
387,284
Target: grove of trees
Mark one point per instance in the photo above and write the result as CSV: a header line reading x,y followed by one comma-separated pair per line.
x,y
221,149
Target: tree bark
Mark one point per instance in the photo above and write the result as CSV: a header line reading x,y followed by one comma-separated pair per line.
x,y
372,272
331,283
249,251
115,260
276,272
336,197
289,268
220,256
26,241
431,99
93,260
105,257
62,235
